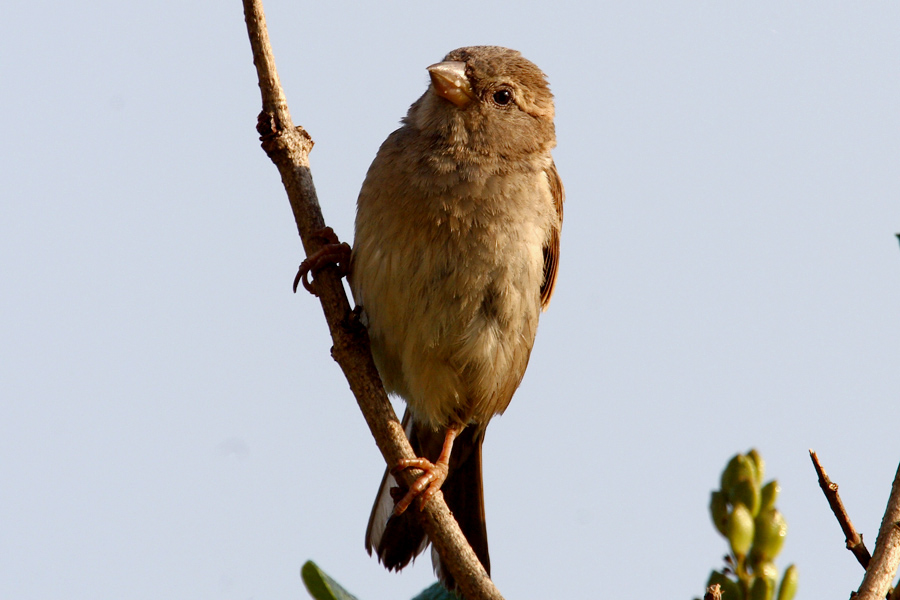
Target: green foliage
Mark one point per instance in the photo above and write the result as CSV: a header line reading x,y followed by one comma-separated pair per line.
x,y
788,584
740,530
436,592
743,511
320,586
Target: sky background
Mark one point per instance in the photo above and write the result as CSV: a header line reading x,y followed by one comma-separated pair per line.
x,y
172,424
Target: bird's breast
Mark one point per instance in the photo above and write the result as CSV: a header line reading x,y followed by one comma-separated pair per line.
x,y
449,278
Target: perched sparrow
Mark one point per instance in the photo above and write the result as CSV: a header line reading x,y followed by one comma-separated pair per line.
x,y
455,256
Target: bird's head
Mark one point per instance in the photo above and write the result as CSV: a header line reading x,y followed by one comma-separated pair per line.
x,y
488,100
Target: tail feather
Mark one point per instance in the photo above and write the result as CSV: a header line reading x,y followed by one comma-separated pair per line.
x,y
464,494
397,540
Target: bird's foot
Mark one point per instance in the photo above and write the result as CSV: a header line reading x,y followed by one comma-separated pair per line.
x,y
425,486
334,252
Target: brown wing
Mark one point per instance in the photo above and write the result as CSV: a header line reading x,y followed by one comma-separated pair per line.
x,y
551,250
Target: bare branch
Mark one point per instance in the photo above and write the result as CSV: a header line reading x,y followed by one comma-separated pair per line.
x,y
289,148
854,540
883,566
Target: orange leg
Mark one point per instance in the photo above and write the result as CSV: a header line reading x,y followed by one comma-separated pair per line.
x,y
433,477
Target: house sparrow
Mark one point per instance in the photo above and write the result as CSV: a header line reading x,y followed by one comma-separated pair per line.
x,y
455,256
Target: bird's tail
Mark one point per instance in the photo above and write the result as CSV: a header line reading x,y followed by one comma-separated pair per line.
x,y
397,540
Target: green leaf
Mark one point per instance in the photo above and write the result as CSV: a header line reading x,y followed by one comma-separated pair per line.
x,y
759,463
730,474
320,586
738,468
730,588
746,492
761,589
740,530
771,530
437,592
769,495
766,569
719,511
788,584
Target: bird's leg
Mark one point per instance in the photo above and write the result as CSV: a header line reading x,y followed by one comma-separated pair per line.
x,y
334,252
434,474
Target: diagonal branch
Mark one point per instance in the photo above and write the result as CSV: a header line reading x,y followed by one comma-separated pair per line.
x,y
854,540
886,557
288,147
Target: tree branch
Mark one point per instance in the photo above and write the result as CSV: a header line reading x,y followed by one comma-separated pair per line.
x,y
288,147
883,566
854,540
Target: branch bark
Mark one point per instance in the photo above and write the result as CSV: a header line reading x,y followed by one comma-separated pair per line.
x,y
288,147
883,566
855,542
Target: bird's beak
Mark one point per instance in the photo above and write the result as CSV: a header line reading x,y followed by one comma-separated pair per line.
x,y
450,82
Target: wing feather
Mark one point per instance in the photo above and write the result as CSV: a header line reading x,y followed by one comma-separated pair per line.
x,y
551,250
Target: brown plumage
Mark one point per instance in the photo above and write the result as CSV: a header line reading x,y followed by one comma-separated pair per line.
x,y
455,256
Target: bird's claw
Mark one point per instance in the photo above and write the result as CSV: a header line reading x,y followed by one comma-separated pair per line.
x,y
427,484
334,252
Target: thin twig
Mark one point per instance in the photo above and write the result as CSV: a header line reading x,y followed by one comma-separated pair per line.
x,y
883,566
830,489
289,147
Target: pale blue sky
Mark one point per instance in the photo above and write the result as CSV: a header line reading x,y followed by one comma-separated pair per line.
x,y
171,422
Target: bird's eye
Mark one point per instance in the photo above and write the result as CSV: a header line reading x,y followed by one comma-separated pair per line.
x,y
502,97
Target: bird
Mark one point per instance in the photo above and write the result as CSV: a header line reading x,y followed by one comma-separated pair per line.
x,y
455,256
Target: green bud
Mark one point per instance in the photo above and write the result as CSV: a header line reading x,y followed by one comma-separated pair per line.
x,y
759,463
739,468
761,589
769,495
730,588
746,492
766,570
788,587
729,475
719,511
740,530
771,529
